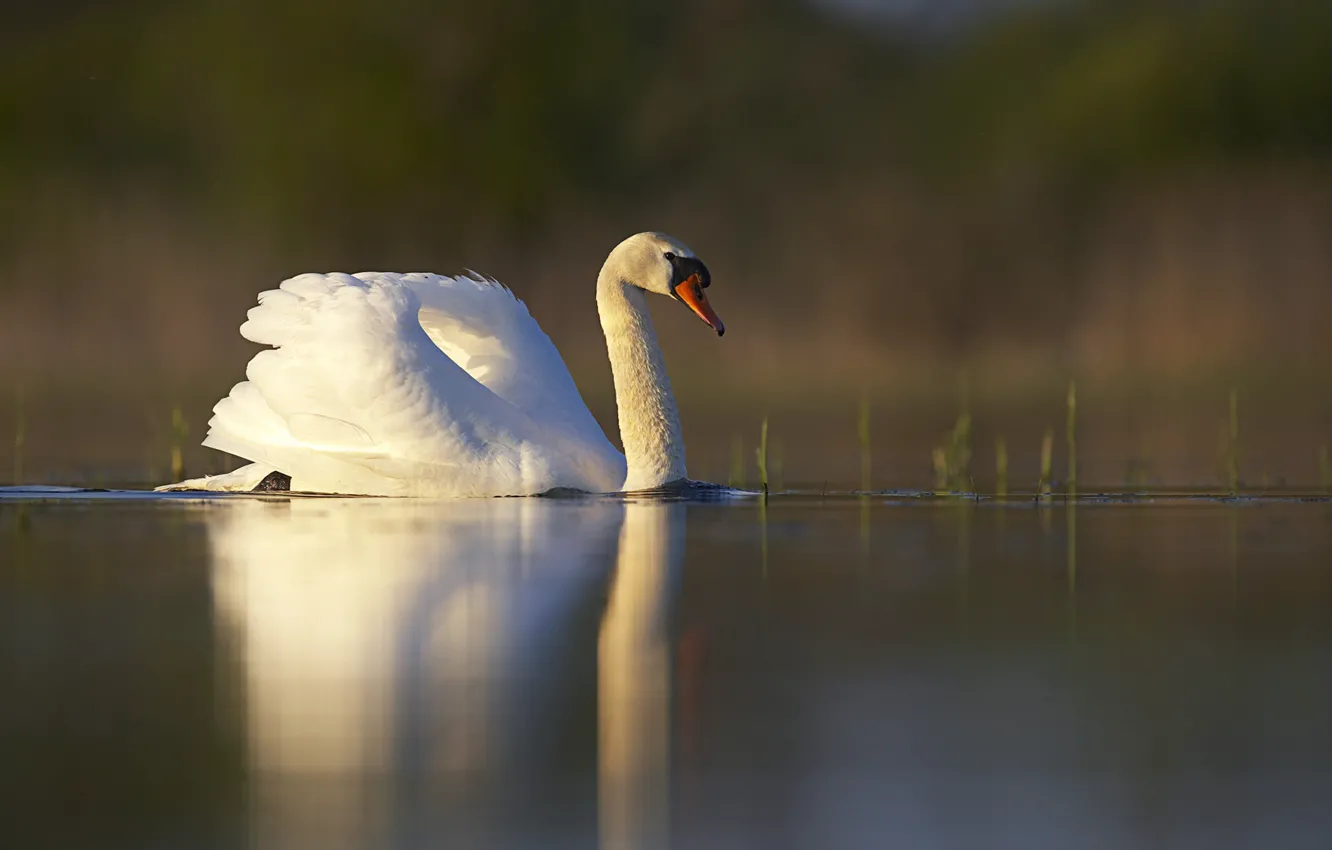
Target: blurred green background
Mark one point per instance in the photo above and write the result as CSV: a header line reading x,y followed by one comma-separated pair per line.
x,y
931,206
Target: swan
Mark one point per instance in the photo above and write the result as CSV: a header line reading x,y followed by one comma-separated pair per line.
x,y
419,384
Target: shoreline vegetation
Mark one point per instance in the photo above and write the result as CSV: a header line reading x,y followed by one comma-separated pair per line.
x,y
840,454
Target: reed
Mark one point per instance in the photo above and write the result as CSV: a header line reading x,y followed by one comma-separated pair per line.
x,y
1324,470
939,459
1232,445
960,459
761,456
1047,453
1000,467
956,454
180,432
952,461
863,431
20,432
1071,436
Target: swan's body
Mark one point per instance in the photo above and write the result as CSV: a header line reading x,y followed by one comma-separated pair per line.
x,y
422,385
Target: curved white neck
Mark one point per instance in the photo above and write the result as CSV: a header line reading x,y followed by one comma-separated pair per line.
x,y
649,423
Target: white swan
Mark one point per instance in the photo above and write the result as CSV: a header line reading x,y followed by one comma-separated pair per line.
x,y
422,385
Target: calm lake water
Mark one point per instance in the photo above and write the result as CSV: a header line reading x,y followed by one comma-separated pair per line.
x,y
285,672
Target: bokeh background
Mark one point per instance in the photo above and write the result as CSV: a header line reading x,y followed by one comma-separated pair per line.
x,y
929,207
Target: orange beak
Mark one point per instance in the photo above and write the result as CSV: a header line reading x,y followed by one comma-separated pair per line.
x,y
691,293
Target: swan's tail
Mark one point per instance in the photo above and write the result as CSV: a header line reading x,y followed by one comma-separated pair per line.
x,y
331,357
240,480
242,425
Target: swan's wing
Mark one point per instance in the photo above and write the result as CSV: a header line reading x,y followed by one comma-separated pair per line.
x,y
483,328
355,397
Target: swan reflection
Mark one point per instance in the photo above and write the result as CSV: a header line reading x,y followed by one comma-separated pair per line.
x,y
416,670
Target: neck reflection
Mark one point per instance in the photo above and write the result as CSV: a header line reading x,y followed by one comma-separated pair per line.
x,y
634,680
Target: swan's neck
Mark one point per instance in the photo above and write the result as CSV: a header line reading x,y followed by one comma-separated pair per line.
x,y
649,423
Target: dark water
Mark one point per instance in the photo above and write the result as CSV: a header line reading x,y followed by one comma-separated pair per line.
x,y
345,673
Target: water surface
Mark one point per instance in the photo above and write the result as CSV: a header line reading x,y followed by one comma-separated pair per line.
x,y
294,672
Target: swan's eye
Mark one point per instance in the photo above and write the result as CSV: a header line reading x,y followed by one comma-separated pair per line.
x,y
670,256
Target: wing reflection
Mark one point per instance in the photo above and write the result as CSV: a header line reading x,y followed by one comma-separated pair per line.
x,y
411,670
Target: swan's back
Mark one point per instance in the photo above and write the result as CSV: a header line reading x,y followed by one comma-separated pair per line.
x,y
413,384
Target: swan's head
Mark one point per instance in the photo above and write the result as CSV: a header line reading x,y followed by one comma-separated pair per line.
x,y
659,263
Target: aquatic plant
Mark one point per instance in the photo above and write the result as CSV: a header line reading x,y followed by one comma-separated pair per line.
x,y
1000,467
959,461
939,462
1324,470
952,461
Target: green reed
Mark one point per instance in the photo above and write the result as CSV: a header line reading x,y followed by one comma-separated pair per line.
x,y
959,453
952,460
1000,467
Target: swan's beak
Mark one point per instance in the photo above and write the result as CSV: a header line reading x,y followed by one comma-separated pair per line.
x,y
691,293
